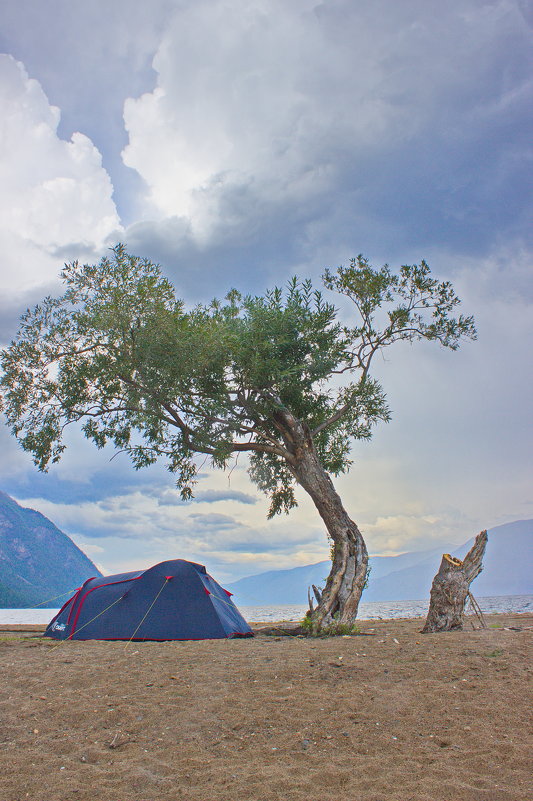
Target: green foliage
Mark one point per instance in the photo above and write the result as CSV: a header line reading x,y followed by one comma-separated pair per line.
x,y
416,305
120,355
334,629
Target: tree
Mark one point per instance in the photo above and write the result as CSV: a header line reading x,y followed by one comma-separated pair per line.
x,y
277,377
451,588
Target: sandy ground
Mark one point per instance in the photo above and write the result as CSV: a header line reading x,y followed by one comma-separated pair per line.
x,y
390,716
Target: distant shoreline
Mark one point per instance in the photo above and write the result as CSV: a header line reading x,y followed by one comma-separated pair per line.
x,y
291,613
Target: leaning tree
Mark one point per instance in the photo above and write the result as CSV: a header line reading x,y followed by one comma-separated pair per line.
x,y
278,377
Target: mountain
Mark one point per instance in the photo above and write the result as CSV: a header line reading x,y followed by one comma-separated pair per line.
x,y
37,561
507,570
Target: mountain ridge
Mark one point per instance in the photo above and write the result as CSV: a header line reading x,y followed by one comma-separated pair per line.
x,y
507,570
38,562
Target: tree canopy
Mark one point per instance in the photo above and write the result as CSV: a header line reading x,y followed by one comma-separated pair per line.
x,y
119,352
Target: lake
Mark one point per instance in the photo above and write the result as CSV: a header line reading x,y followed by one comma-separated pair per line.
x,y
377,610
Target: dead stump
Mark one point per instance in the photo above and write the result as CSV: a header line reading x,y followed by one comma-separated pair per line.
x,y
451,587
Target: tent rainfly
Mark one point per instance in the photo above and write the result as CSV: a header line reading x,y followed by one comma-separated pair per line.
x,y
174,600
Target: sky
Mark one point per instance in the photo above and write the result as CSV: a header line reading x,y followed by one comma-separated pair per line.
x,y
238,144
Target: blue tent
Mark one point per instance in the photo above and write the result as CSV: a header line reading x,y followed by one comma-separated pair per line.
x,y
174,600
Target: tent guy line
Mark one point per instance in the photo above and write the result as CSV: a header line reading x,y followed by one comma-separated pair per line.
x,y
167,579
61,642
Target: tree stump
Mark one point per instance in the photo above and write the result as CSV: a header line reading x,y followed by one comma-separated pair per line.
x,y
451,587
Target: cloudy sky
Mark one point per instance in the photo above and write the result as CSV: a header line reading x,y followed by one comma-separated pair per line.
x,y
238,143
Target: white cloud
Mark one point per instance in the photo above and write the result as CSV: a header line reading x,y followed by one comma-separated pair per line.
x,y
247,103
13,462
154,533
55,196
90,548
280,105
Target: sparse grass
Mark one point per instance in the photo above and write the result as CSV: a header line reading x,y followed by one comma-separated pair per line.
x,y
335,629
13,639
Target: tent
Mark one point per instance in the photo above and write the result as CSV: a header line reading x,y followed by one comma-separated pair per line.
x,y
174,600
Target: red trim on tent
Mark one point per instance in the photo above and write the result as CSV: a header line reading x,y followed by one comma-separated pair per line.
x,y
98,586
69,600
71,610
207,592
228,592
167,639
64,607
73,599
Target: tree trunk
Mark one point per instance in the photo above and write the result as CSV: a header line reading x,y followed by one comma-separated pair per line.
x,y
451,586
340,598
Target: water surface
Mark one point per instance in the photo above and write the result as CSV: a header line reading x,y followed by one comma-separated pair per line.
x,y
376,610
